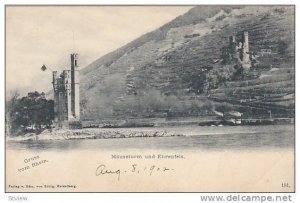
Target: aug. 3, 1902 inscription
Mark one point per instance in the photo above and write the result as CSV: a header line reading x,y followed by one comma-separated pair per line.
x,y
102,169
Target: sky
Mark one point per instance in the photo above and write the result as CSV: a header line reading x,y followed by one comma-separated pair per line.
x,y
37,35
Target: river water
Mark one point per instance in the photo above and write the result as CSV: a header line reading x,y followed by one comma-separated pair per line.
x,y
214,159
195,138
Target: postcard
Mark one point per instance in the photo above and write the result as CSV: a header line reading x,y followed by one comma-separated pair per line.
x,y
150,98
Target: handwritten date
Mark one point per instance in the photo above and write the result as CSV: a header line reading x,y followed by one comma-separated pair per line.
x,y
102,169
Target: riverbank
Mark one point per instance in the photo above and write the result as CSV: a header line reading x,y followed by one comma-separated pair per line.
x,y
163,131
94,133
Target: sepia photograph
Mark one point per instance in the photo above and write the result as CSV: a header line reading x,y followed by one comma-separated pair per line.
x,y
156,98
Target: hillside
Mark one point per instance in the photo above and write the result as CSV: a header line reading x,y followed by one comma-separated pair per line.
x,y
164,73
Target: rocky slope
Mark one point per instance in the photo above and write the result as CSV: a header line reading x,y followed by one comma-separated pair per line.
x,y
163,73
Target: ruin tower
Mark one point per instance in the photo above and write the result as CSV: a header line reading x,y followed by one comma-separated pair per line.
x,y
232,48
62,98
245,49
66,96
54,77
232,41
66,75
75,107
55,97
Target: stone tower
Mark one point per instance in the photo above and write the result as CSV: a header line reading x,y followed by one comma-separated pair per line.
x,y
62,97
245,49
75,107
66,96
67,82
232,41
239,49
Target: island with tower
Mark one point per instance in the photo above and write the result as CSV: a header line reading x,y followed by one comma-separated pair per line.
x,y
66,96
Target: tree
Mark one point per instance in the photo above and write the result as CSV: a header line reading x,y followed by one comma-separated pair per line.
x,y
33,111
11,100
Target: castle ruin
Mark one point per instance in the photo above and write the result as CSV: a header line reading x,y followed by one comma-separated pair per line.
x,y
66,96
241,50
